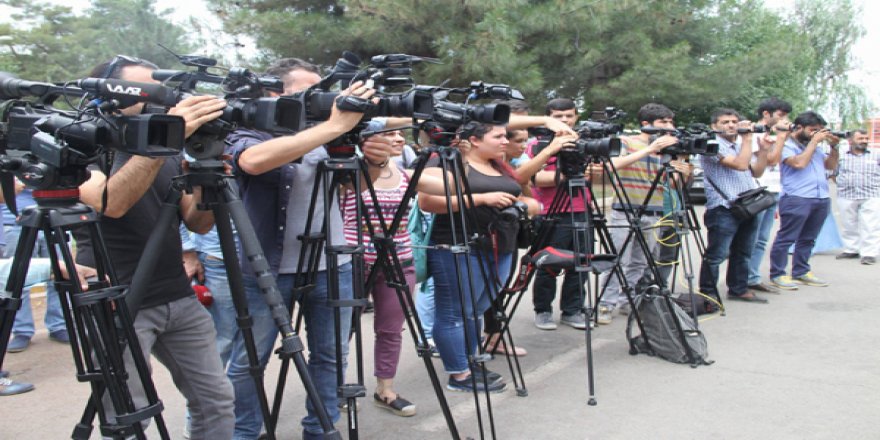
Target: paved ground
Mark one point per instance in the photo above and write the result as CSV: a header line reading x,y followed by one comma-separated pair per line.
x,y
805,366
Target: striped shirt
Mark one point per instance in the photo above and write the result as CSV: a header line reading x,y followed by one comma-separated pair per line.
x,y
638,177
389,200
859,176
730,181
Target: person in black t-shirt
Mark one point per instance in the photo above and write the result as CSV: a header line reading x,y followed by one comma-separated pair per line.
x,y
494,187
171,324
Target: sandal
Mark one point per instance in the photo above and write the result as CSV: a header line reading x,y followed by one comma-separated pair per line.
x,y
398,406
502,350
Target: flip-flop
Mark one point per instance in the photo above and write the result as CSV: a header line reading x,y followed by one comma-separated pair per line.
x,y
751,298
501,349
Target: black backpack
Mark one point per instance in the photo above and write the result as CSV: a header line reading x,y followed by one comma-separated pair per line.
x,y
656,312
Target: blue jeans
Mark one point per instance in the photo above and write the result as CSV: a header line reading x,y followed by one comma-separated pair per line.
x,y
727,237
321,338
24,319
425,306
800,220
222,309
766,219
449,326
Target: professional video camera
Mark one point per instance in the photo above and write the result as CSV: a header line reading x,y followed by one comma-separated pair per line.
x,y
447,116
47,147
384,73
597,137
694,139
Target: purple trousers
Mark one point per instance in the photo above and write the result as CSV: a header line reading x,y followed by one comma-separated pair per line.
x,y
388,324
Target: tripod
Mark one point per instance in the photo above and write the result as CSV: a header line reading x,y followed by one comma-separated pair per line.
x,y
351,171
580,259
633,218
220,195
98,321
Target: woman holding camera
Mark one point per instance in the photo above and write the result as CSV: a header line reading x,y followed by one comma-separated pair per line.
x,y
494,188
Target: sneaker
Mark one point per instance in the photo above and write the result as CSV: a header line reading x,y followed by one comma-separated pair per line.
x,y
869,260
18,343
399,406
811,280
466,385
492,376
784,282
847,256
761,287
8,387
544,321
605,315
578,320
60,336
624,309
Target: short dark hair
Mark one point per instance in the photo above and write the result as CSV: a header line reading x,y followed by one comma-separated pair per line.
x,y
652,111
286,65
808,118
559,104
859,131
516,105
112,68
719,112
773,104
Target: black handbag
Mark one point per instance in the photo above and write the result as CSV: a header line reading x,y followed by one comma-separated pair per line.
x,y
748,203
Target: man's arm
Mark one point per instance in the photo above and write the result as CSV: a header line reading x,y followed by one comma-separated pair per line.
x,y
741,161
801,160
519,122
274,153
534,166
632,157
128,184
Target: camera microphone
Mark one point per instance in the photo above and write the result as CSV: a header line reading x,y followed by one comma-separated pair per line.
x,y
129,92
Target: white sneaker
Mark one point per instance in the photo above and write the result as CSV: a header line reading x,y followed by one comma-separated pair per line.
x,y
605,315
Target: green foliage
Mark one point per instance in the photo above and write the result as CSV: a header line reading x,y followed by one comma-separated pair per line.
x,y
53,43
692,55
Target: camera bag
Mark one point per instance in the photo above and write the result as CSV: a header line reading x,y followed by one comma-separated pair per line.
x,y
748,203
656,314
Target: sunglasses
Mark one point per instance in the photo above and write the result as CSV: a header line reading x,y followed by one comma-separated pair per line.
x,y
120,61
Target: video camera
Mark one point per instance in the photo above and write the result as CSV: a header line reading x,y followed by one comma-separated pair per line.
x,y
694,139
47,147
597,136
447,116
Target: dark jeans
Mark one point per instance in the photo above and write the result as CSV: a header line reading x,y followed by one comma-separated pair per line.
x,y
544,291
800,221
728,237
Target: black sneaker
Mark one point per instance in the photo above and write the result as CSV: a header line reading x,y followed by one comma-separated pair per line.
x,y
492,376
466,385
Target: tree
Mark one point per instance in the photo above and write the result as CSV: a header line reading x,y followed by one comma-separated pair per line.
x,y
53,43
692,55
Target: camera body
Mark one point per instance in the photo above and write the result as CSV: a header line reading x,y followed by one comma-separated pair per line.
x,y
695,139
516,212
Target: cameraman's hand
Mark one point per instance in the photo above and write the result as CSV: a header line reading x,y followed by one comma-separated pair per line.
x,y
560,141
497,199
746,125
193,266
377,149
783,125
559,127
343,120
686,169
665,141
198,110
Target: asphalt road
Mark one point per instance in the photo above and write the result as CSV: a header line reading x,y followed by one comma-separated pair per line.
x,y
804,366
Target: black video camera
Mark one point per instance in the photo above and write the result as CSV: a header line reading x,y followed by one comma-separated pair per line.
x,y
597,137
694,139
448,115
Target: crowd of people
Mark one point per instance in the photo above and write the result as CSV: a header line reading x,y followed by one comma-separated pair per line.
x,y
205,351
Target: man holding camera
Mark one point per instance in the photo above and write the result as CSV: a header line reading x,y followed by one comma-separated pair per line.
x,y
730,173
858,197
545,185
637,166
277,176
805,200
771,111
170,323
